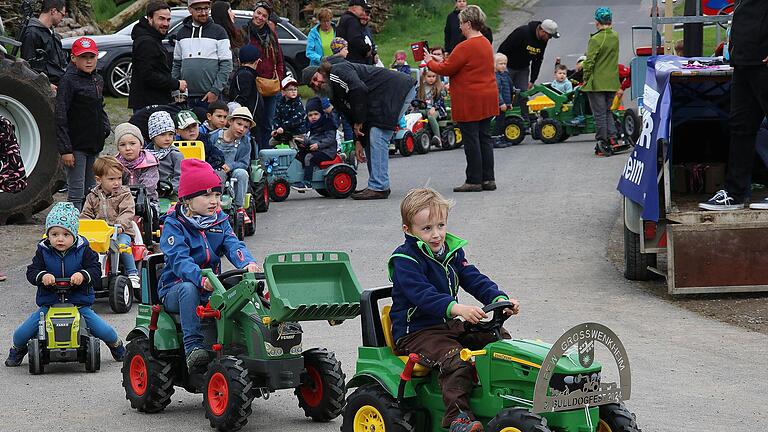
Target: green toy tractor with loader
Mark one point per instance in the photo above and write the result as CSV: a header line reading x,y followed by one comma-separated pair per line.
x,y
253,337
396,394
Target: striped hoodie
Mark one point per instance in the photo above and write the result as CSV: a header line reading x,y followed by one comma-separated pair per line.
x,y
202,57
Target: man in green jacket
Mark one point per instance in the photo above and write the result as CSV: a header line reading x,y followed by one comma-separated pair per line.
x,y
601,77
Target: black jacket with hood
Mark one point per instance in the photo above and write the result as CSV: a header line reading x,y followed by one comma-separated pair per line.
x,y
369,95
81,121
523,48
453,35
749,33
351,30
151,82
37,36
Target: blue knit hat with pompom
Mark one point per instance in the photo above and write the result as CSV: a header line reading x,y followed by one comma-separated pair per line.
x,y
64,215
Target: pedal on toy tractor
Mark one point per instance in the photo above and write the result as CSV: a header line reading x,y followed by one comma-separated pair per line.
x,y
396,393
62,336
113,284
254,343
336,178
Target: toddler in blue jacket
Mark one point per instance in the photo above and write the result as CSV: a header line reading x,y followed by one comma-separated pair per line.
x,y
195,236
64,254
426,273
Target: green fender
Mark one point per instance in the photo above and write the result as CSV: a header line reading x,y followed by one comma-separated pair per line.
x,y
257,171
166,335
378,364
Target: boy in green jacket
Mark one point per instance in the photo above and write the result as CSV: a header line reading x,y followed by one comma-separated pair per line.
x,y
601,77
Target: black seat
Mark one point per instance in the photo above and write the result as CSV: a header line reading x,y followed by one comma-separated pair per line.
x,y
153,264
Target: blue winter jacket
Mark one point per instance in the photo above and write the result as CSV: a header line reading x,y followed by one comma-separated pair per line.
x,y
78,258
315,45
188,249
424,290
504,83
242,156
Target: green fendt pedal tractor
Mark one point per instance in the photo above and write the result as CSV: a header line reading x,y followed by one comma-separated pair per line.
x,y
515,380
63,336
253,336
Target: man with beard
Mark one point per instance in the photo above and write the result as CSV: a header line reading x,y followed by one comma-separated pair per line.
x,y
39,35
351,29
151,82
373,99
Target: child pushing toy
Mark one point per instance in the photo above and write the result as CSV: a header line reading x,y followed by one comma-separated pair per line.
x,y
195,236
113,202
64,254
426,273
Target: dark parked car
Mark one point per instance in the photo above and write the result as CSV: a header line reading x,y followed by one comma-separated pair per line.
x,y
115,49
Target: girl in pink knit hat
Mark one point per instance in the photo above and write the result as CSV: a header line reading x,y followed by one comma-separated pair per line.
x,y
195,236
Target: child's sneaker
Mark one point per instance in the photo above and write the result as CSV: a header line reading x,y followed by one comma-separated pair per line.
x,y
15,356
579,120
300,187
117,350
436,141
197,357
135,281
462,423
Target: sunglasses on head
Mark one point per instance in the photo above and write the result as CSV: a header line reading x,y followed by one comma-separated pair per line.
x,y
263,4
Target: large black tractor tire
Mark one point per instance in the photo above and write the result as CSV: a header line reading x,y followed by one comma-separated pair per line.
x,y
228,394
518,419
617,418
636,263
120,294
148,382
370,407
322,395
261,196
35,356
26,100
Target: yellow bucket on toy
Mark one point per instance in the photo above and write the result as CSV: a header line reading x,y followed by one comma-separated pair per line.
x,y
98,233
540,102
191,149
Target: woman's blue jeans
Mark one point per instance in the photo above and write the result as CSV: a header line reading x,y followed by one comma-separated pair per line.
x,y
97,326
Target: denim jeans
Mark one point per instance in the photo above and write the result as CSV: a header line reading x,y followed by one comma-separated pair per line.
x,y
126,258
600,104
80,178
183,299
377,153
267,120
241,185
97,326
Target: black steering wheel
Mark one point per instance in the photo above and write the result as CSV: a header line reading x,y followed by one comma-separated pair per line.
x,y
229,274
496,323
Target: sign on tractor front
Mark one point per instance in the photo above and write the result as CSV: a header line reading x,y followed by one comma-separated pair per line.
x,y
582,389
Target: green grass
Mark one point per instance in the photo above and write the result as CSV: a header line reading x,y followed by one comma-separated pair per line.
x,y
103,10
412,21
710,39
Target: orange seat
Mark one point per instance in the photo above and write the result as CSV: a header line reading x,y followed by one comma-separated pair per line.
x,y
326,164
386,325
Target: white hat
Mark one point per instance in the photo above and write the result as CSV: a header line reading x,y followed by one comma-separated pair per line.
x,y
241,113
550,27
288,80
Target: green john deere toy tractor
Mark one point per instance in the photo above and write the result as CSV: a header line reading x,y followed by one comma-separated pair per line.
x,y
253,338
396,394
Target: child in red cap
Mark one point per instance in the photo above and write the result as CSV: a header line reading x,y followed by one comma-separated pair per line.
x,y
82,124
195,236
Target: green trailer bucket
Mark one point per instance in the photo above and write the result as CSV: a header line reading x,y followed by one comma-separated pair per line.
x,y
311,286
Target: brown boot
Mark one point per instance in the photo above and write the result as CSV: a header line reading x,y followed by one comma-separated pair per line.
x,y
469,187
489,185
370,194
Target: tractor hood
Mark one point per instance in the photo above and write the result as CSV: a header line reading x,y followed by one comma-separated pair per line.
x,y
532,353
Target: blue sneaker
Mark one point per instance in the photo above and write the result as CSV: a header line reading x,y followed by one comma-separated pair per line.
x,y
118,350
300,187
722,202
15,356
462,423
579,120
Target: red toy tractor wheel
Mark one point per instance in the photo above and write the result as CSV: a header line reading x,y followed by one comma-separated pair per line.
x,y
407,145
227,396
321,395
279,190
341,181
148,382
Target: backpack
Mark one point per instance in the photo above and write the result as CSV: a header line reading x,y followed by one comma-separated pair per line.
x,y
13,177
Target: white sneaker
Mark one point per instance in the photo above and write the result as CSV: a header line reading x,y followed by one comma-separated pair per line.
x,y
135,281
760,205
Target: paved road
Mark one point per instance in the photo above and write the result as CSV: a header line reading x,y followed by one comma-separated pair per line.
x,y
542,236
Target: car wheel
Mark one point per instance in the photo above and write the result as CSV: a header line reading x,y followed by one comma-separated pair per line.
x,y
289,69
119,77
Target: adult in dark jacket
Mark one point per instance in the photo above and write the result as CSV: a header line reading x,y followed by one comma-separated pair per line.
x,y
151,82
39,35
524,48
452,32
749,102
373,99
260,34
351,29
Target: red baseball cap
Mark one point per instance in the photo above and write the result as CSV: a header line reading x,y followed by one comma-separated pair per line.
x,y
84,45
